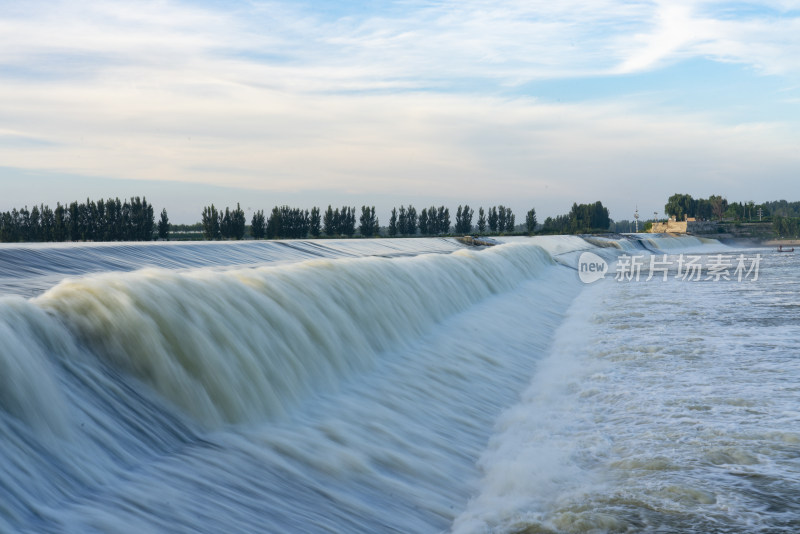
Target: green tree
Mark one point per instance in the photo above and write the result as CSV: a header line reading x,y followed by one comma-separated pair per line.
x,y
433,221
226,226
584,218
718,206
275,224
314,222
304,223
411,220
786,226
337,221
329,223
211,223
467,216
367,222
60,223
73,223
493,219
48,223
481,220
6,228
750,210
501,219
393,223
402,221
258,225
464,220
25,224
510,221
424,223
599,217
680,206
530,221
35,225
163,225
238,223
348,221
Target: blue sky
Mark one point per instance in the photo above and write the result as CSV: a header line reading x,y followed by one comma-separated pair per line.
x,y
522,103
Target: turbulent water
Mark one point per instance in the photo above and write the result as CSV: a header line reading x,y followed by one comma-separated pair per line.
x,y
397,386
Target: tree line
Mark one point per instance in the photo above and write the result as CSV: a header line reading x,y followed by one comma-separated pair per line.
x,y
436,221
101,220
786,226
782,208
717,207
285,222
581,219
134,220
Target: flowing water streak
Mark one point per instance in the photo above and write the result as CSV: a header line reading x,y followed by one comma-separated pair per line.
x,y
335,372
29,269
243,345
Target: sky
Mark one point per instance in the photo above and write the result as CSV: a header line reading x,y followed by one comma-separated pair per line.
x,y
521,103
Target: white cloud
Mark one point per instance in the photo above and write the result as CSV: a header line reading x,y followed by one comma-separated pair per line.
x,y
447,146
444,44
765,39
674,29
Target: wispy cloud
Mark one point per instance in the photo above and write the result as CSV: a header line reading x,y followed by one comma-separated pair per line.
x,y
438,45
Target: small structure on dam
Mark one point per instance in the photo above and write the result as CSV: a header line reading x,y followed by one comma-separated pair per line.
x,y
476,241
688,226
672,226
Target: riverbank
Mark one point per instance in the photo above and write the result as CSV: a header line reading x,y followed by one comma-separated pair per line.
x,y
783,242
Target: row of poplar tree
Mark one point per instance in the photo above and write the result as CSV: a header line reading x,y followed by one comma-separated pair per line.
x,y
229,224
101,220
289,223
134,220
294,223
435,221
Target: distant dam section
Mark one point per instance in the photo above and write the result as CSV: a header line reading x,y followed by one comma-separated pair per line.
x,y
757,231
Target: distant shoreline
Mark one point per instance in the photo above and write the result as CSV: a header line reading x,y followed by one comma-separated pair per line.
x,y
784,242
750,241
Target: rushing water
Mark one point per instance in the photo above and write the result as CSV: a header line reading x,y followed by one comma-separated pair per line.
x,y
395,386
